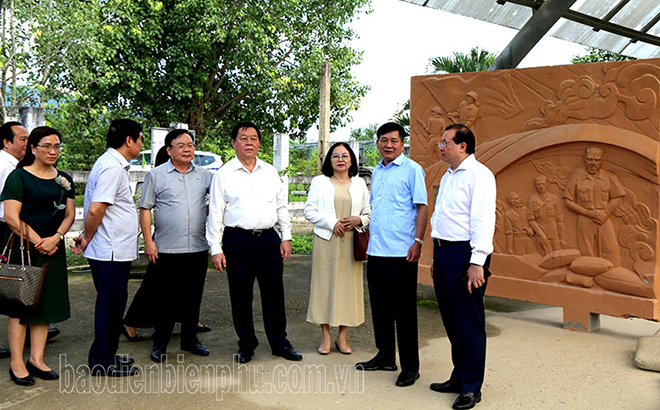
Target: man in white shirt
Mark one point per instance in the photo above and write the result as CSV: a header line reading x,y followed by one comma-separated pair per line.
x,y
14,138
247,201
14,141
110,242
463,225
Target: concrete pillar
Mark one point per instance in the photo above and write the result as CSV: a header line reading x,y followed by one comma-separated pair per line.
x,y
157,141
31,117
355,146
324,115
281,155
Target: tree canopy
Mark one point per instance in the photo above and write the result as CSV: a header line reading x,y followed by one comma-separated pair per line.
x,y
208,63
596,55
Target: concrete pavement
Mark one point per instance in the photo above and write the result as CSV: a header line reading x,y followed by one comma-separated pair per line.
x,y
532,363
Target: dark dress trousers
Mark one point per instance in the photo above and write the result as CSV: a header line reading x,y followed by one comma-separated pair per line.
x,y
256,255
462,313
393,295
180,287
110,281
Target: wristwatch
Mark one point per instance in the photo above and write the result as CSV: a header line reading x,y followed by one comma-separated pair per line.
x,y
61,235
421,242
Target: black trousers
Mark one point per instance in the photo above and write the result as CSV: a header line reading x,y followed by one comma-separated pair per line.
x,y
462,314
393,295
255,256
144,308
179,288
110,281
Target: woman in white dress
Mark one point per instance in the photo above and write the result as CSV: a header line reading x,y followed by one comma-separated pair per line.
x,y
338,202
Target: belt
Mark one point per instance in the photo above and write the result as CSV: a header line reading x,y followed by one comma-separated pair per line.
x,y
442,242
253,232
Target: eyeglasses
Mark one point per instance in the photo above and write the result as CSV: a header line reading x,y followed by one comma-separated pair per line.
x,y
443,144
345,157
182,146
49,147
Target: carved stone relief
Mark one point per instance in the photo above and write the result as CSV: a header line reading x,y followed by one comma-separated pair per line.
x,y
575,151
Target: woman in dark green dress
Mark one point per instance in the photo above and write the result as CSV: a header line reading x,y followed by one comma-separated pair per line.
x,y
43,198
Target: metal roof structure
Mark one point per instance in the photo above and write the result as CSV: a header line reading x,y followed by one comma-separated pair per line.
x,y
629,27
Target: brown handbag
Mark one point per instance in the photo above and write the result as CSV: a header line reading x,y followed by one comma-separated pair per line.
x,y
21,283
360,243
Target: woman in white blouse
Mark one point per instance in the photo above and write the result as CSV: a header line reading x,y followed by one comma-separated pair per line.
x,y
338,202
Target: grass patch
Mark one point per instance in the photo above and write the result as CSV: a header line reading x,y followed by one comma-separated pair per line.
x,y
428,302
297,198
75,260
301,244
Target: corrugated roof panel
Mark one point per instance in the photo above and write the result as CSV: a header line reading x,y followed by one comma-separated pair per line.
x,y
594,8
508,15
634,15
581,34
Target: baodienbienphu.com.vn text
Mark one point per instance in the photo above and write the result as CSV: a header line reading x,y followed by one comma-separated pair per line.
x,y
180,378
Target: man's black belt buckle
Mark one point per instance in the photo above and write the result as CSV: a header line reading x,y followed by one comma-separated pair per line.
x,y
256,232
442,242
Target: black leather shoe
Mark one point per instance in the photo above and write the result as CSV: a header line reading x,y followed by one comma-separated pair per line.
x,y
289,353
123,360
159,353
202,328
374,364
53,332
4,353
445,387
137,338
115,371
21,381
196,348
244,355
407,378
467,400
42,374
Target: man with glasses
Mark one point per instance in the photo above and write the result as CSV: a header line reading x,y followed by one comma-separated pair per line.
x,y
176,192
463,225
110,243
247,201
398,223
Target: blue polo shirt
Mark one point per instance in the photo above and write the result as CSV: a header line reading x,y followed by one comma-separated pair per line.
x,y
396,190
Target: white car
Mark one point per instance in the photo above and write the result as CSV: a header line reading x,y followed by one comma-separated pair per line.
x,y
206,160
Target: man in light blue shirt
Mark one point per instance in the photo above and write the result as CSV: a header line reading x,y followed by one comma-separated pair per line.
x,y
110,242
398,223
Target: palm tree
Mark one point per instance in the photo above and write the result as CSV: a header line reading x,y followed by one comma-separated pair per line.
x,y
475,60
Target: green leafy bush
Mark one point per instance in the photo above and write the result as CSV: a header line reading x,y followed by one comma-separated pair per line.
x,y
301,244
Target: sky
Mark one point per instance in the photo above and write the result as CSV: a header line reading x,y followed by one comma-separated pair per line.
x,y
399,38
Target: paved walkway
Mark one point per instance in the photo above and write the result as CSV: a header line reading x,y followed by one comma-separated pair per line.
x,y
532,362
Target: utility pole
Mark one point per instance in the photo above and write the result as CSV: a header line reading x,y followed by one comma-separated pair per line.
x,y
324,115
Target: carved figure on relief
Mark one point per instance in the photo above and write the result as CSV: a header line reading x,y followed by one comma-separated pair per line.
x,y
594,194
434,127
546,217
467,111
518,232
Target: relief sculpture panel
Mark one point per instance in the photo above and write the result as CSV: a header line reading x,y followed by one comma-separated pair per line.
x,y
575,152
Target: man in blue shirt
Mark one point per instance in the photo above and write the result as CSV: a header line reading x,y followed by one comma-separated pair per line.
x,y
398,223
110,243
